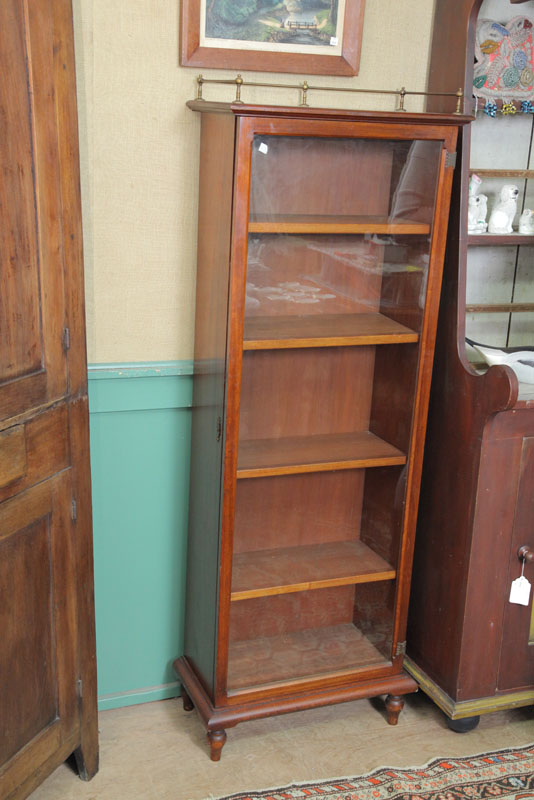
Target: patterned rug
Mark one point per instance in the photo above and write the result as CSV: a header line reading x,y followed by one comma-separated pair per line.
x,y
504,774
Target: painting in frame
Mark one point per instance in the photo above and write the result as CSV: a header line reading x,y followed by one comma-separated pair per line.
x,y
316,37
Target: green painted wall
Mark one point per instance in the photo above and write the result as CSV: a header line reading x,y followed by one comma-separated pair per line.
x,y
140,419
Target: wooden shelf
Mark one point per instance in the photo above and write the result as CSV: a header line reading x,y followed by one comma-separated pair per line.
x,y
499,308
503,173
259,458
323,330
313,223
499,239
302,654
297,569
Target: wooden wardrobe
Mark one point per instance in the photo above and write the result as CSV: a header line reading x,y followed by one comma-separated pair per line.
x,y
47,642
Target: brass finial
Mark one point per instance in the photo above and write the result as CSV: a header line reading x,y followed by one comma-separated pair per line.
x,y
459,98
402,95
238,84
304,93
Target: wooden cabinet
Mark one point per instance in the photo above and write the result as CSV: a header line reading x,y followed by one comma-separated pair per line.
x,y
48,707
471,649
321,236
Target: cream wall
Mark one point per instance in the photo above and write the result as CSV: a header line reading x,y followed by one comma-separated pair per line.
x,y
139,158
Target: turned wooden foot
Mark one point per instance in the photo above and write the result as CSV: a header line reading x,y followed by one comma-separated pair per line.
x,y
216,741
186,700
394,705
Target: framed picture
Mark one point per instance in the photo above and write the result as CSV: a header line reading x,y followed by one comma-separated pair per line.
x,y
311,37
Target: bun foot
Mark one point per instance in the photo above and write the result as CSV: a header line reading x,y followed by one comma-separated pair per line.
x,y
216,741
394,705
463,725
186,701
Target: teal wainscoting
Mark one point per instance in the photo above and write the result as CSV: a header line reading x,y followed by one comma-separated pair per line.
x,y
140,418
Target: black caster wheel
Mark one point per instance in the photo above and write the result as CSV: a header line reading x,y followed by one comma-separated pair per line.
x,y
463,725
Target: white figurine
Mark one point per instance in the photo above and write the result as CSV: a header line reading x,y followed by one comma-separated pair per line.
x,y
477,207
526,222
476,218
482,213
503,214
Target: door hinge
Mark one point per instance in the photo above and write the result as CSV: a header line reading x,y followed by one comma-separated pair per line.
x,y
73,510
401,649
79,687
219,428
450,159
66,339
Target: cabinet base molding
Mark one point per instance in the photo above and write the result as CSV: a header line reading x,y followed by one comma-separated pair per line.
x,y
217,719
466,708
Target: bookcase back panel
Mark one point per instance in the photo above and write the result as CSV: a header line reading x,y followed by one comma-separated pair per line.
x,y
287,613
297,510
306,634
299,392
309,175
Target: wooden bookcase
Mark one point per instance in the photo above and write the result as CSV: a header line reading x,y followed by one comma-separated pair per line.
x,y
321,237
470,649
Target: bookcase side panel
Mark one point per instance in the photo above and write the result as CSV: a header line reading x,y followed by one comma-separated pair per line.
x,y
211,322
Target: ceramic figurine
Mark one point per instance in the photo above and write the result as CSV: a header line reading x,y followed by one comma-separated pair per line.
x,y
478,208
482,225
503,214
526,222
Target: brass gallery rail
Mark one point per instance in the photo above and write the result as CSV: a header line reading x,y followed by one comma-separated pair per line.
x,y
304,87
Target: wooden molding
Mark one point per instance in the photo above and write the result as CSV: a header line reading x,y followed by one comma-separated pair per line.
x,y
466,708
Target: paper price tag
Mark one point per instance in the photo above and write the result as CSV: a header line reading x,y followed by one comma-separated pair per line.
x,y
263,148
520,591
333,41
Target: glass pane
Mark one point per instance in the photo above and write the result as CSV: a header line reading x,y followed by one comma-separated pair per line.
x,y
338,258
338,227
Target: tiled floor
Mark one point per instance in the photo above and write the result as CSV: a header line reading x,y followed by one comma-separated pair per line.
x,y
158,752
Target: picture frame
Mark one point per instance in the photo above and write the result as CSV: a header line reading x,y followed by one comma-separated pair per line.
x,y
311,37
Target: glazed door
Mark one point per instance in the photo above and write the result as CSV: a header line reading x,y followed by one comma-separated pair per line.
x,y
339,265
46,619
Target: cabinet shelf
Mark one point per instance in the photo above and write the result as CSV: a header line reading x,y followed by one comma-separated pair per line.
x,y
323,330
316,223
499,239
290,656
525,174
297,569
499,308
259,458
